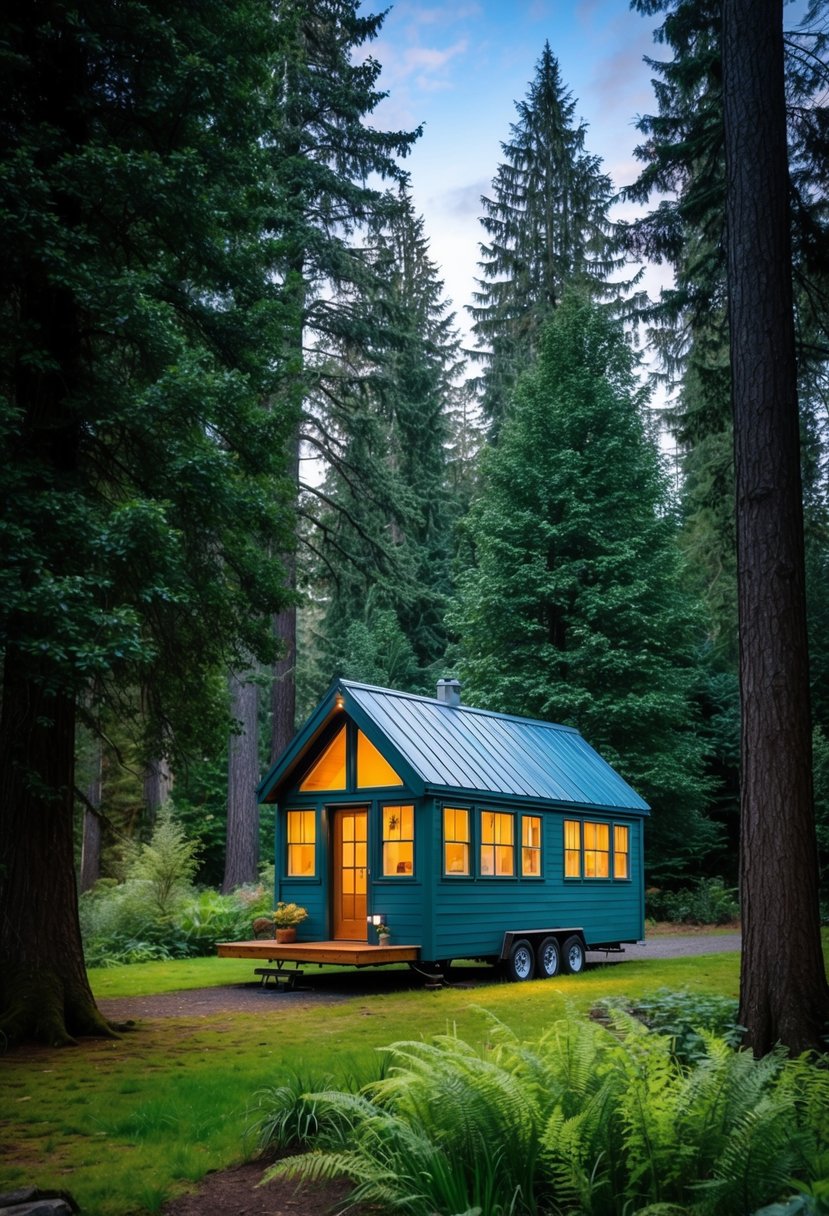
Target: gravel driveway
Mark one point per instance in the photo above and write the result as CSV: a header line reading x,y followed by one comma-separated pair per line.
x,y
328,988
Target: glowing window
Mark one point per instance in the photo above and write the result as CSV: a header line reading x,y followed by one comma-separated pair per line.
x,y
572,848
596,850
372,769
329,771
455,840
398,840
621,852
302,840
531,846
497,844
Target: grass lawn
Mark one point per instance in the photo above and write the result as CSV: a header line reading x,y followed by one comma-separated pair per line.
x,y
125,1124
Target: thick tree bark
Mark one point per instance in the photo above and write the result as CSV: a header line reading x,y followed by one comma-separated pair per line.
x,y
783,991
242,851
44,992
91,844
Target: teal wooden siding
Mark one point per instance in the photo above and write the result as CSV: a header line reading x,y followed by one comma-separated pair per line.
x,y
471,914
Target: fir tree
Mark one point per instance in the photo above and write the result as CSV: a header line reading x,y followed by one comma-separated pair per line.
x,y
325,159
547,225
392,508
574,611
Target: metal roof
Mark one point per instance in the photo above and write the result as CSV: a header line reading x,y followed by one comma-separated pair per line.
x,y
475,750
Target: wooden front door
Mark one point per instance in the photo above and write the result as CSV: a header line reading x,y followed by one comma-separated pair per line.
x,y
350,873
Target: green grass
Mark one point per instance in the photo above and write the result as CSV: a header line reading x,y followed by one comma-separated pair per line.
x,y
126,1124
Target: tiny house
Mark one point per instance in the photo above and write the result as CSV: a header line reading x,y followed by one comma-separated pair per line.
x,y
468,834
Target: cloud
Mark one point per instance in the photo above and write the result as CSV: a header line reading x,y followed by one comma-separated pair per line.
x,y
464,202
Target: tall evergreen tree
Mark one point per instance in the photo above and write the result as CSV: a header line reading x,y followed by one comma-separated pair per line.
x,y
141,479
325,158
784,996
547,225
398,537
574,610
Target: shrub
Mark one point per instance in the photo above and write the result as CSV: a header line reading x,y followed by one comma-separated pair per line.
x,y
582,1120
710,902
684,1017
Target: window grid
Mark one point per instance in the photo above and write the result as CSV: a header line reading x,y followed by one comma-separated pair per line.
x,y
456,840
398,841
531,846
587,850
497,844
302,840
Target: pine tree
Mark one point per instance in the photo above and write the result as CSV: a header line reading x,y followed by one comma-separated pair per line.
x,y
574,611
547,225
141,479
387,600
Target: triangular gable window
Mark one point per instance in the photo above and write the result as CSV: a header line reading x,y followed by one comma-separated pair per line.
x,y
329,771
372,769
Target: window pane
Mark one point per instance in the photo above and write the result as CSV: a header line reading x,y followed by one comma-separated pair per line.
x,y
531,846
497,837
372,769
329,771
398,840
301,838
621,852
455,840
572,848
596,850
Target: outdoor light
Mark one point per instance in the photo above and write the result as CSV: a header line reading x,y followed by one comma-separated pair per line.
x,y
379,919
338,700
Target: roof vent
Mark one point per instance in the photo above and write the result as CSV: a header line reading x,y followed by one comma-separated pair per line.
x,y
449,692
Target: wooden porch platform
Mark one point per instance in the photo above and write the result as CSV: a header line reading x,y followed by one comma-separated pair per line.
x,y
348,954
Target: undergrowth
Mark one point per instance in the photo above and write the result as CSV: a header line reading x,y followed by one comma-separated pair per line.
x,y
584,1120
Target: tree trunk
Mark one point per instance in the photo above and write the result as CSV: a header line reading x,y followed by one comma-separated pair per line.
x,y
242,851
783,991
91,846
158,786
44,991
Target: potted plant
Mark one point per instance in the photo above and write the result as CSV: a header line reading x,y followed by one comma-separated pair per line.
x,y
383,935
286,917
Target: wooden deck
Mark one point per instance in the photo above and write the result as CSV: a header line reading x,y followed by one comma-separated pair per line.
x,y
347,954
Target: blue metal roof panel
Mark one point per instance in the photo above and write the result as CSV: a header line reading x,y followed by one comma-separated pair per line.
x,y
474,749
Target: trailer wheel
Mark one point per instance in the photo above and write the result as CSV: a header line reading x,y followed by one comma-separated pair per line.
x,y
573,955
548,958
520,964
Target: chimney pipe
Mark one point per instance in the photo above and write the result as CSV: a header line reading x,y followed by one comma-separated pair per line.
x,y
449,692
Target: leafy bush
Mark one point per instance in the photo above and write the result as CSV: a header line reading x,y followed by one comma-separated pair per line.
x,y
710,902
602,1122
156,913
684,1017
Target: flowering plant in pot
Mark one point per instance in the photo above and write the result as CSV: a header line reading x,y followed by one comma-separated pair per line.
x,y
383,935
286,917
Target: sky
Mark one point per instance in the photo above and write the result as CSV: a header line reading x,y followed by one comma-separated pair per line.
x,y
458,68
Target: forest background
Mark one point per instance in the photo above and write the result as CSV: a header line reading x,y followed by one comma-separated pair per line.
x,y
247,449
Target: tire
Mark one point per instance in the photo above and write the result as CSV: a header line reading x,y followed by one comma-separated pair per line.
x,y
573,956
520,965
548,959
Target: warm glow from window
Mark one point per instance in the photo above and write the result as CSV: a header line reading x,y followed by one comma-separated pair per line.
x,y
455,840
398,840
621,852
372,769
572,848
596,850
531,846
329,771
302,839
497,844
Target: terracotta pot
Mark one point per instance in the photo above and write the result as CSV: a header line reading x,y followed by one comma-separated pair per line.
x,y
288,934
